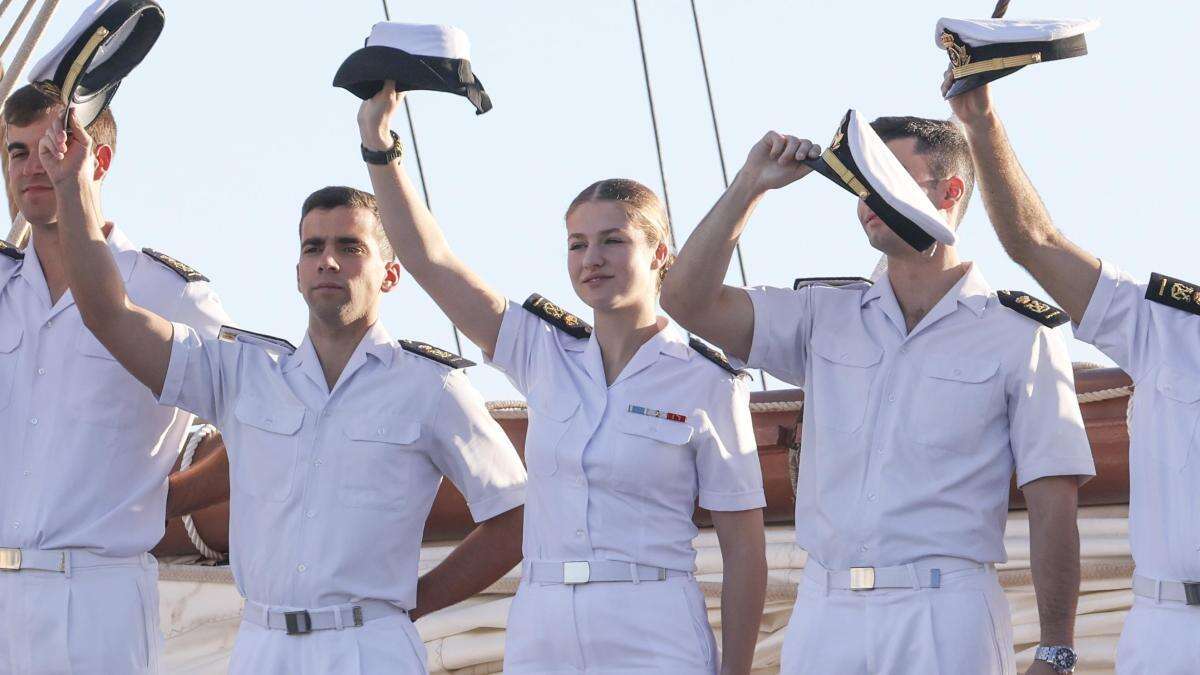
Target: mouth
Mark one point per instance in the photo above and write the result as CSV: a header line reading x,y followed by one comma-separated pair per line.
x,y
594,280
37,189
327,287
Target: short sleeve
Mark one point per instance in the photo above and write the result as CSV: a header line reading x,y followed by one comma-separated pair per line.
x,y
1045,425
782,324
200,308
474,452
1117,320
727,466
516,345
194,380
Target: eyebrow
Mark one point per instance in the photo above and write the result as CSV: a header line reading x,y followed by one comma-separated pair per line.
x,y
320,241
600,233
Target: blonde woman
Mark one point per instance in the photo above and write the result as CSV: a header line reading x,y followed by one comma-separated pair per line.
x,y
629,425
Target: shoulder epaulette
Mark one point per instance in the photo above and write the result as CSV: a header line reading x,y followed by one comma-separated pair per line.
x,y
267,342
829,281
1042,312
1173,292
11,251
434,354
558,317
188,272
715,355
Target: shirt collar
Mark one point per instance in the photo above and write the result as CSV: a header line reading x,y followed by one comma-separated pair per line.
x,y
972,290
377,343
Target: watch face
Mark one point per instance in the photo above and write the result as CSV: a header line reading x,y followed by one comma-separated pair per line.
x,y
1064,660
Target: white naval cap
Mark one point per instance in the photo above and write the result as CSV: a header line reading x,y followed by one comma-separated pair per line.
x,y
106,43
982,50
859,161
415,56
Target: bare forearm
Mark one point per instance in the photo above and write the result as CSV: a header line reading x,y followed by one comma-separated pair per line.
x,y
204,484
1054,552
92,274
742,598
1023,224
697,278
486,554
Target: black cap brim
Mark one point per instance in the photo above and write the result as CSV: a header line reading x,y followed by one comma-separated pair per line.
x,y
963,85
364,71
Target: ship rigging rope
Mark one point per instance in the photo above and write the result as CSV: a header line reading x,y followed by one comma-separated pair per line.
x,y
412,134
662,172
189,526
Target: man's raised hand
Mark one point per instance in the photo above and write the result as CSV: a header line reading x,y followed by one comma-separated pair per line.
x,y
777,160
67,158
375,117
972,107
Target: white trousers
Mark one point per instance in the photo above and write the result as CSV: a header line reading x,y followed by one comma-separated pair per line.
x,y
96,621
388,645
1160,639
615,628
962,627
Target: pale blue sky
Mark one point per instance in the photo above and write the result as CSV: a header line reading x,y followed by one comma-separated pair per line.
x,y
232,121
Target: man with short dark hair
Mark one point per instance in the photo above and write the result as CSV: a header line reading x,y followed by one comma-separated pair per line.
x,y
336,448
924,391
1152,330
86,450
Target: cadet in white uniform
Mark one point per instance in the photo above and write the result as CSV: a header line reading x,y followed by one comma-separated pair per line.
x,y
336,449
923,394
86,449
1151,329
628,426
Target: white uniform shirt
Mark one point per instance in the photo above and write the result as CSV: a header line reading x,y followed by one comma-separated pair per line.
x,y
910,439
610,484
86,449
1159,346
330,489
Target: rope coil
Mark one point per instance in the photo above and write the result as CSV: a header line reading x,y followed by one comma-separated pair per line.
x,y
189,526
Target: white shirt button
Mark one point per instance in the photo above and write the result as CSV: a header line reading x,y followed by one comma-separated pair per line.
x,y
381,431
578,533
27,472
41,371
17,525
33,421
311,514
891,398
301,568
871,497
864,548
317,462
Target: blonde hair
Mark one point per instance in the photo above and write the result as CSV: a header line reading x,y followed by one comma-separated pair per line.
x,y
643,206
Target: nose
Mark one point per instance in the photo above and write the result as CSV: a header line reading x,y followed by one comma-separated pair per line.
x,y
329,263
592,257
32,166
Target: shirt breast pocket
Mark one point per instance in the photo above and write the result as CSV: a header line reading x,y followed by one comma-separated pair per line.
x,y
1179,392
264,461
104,393
377,464
653,452
953,401
10,339
840,387
550,416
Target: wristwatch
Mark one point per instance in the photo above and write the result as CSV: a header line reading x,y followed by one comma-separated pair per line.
x,y
384,156
1061,659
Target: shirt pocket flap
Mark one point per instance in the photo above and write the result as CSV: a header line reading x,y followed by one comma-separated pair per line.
x,y
1178,385
274,417
855,353
958,369
396,432
559,408
88,345
10,336
664,431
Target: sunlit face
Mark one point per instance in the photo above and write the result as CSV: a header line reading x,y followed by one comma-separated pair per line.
x,y
611,263
31,187
341,273
882,237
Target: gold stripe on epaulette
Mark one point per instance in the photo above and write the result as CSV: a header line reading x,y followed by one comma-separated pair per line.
x,y
1002,63
845,174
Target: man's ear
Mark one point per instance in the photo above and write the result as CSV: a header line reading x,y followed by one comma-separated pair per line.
x,y
953,191
391,276
104,156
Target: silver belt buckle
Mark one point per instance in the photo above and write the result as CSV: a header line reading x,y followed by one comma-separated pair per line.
x,y
862,578
10,559
1191,592
578,572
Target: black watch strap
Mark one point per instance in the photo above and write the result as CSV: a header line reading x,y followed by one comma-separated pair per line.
x,y
384,156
